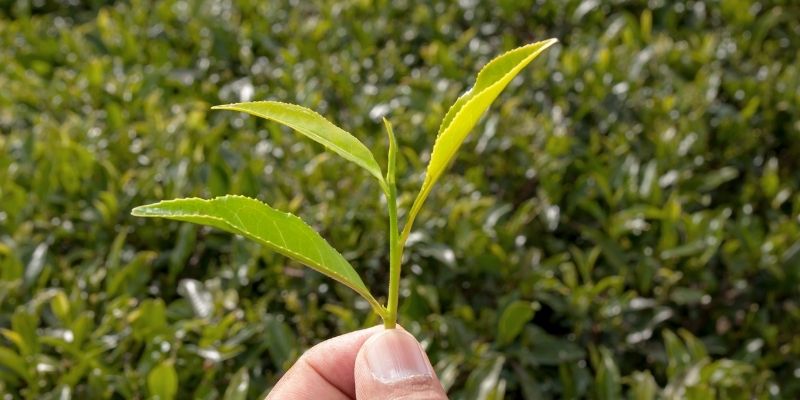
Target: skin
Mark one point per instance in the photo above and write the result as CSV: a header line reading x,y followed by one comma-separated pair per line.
x,y
371,363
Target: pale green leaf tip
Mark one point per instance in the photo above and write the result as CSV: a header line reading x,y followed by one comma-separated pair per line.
x,y
151,210
240,106
146,210
237,106
140,211
224,106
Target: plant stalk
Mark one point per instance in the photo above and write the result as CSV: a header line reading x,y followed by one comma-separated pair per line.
x,y
395,248
395,259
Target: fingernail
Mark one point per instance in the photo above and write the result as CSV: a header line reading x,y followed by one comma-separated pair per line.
x,y
394,355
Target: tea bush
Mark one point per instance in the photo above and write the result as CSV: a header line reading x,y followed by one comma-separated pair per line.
x,y
624,223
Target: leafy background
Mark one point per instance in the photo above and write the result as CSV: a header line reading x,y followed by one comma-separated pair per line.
x,y
625,222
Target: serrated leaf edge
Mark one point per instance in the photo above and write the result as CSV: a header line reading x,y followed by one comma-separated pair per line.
x,y
544,46
341,278
427,183
377,174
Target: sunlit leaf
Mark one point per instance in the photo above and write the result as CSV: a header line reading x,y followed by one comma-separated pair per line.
x,y
466,112
162,381
316,128
282,232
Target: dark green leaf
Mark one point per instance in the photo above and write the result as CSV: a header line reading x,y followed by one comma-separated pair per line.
x,y
513,319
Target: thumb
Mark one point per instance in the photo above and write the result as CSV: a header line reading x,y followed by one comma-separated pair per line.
x,y
392,365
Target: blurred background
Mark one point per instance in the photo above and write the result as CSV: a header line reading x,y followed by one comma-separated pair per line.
x,y
624,222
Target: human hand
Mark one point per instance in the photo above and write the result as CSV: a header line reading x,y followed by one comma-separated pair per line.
x,y
373,363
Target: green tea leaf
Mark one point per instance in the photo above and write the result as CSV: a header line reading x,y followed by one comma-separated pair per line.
x,y
162,381
238,386
513,319
486,381
281,342
391,163
466,112
279,231
547,349
316,128
643,386
607,379
14,363
24,324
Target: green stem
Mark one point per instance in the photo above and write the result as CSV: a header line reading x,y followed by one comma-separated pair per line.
x,y
395,258
395,248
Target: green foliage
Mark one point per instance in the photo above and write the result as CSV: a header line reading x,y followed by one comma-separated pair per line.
x,y
513,319
465,113
237,388
281,232
314,126
162,381
293,238
641,179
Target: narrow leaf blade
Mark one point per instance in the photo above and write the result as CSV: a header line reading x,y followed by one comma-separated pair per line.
x,y
315,127
467,110
282,232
